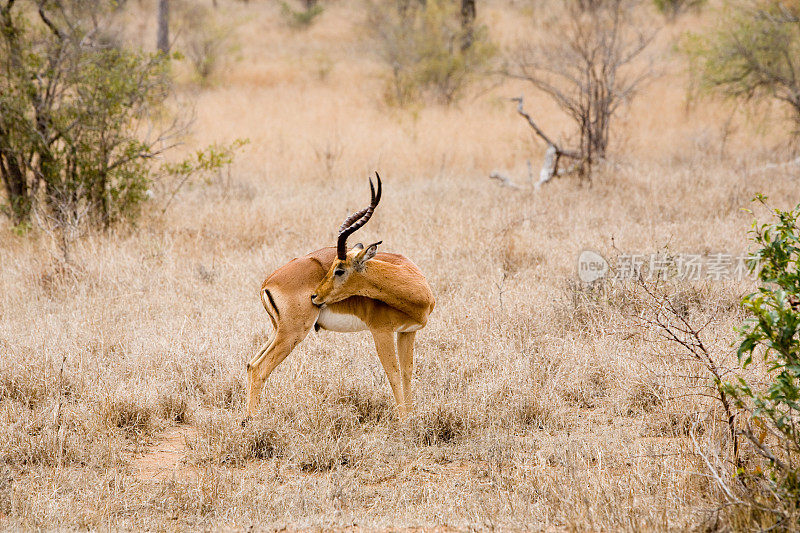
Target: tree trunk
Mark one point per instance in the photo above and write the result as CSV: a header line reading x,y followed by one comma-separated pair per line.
x,y
16,187
163,26
13,171
467,23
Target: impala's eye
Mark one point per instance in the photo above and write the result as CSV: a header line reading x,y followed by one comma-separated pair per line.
x,y
338,272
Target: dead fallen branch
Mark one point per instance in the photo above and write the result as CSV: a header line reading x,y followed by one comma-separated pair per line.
x,y
504,179
552,157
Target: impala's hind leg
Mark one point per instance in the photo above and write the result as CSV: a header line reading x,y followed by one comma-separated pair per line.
x,y
405,355
288,332
253,385
259,369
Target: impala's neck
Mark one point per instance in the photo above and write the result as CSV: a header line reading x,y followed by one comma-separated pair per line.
x,y
399,286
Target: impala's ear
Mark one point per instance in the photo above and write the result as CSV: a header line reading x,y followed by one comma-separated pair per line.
x,y
358,246
363,256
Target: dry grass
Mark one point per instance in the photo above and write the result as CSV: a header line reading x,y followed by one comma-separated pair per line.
x,y
541,404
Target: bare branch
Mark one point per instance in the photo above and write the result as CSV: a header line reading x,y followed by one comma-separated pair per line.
x,y
42,15
540,133
763,450
685,334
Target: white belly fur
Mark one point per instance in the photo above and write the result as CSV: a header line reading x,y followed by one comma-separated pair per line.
x,y
329,320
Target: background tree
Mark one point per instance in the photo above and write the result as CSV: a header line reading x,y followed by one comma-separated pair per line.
x,y
163,26
303,17
752,54
468,14
588,71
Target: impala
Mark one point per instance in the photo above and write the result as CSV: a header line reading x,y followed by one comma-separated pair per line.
x,y
346,290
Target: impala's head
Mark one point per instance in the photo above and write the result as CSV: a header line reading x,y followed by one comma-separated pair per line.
x,y
341,280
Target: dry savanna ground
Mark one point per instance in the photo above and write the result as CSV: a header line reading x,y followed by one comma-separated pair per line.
x,y
541,402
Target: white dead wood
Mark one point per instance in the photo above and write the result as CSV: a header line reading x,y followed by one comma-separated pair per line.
x,y
549,166
776,166
773,166
504,179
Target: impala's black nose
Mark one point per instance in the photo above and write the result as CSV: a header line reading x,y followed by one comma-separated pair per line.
x,y
315,304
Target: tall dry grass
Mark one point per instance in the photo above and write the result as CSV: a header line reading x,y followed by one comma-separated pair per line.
x,y
541,403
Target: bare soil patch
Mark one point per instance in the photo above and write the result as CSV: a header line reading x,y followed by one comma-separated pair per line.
x,y
165,458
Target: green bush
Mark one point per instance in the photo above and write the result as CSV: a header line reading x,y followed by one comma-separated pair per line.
x,y
72,110
429,49
772,403
204,41
672,8
302,18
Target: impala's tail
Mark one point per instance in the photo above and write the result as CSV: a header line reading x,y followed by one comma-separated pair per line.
x,y
268,301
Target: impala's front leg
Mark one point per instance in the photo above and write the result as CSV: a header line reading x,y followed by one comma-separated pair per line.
x,y
405,355
384,344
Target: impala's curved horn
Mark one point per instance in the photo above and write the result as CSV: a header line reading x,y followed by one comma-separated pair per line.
x,y
358,214
352,218
358,219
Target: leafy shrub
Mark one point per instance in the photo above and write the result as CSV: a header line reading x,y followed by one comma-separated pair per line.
x,y
207,163
82,119
429,49
72,108
205,42
772,405
672,8
302,18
